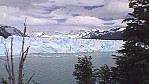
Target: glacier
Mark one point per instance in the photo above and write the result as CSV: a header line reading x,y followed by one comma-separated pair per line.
x,y
58,45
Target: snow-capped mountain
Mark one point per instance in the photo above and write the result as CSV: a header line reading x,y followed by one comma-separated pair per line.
x,y
6,31
112,34
37,34
59,35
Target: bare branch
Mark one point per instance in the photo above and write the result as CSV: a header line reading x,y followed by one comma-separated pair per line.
x,y
12,63
26,53
30,78
26,49
23,57
23,39
8,66
3,81
9,72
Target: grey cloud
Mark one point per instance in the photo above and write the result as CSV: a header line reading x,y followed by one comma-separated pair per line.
x,y
107,18
53,8
59,15
92,7
76,14
22,4
60,20
108,23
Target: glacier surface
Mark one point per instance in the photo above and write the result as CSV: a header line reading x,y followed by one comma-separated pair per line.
x,y
59,45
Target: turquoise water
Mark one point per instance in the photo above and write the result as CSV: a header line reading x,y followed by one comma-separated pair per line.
x,y
56,68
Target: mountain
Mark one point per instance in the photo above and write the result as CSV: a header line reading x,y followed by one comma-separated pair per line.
x,y
6,31
112,34
71,34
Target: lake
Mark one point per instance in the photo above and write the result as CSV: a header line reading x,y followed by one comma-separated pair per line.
x,y
56,68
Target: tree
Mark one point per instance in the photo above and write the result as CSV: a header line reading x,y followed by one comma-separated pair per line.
x,y
104,75
84,71
10,64
132,67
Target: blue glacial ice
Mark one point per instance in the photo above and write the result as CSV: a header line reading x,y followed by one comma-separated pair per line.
x,y
59,45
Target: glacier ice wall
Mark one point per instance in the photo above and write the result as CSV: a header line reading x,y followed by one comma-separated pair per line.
x,y
59,45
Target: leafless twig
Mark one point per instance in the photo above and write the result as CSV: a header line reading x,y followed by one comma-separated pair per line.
x,y
12,63
30,78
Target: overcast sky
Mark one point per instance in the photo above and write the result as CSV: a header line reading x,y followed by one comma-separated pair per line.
x,y
63,15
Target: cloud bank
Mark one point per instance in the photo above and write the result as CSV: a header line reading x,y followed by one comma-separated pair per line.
x,y
64,15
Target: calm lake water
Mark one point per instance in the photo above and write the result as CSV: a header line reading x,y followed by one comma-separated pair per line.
x,y
56,68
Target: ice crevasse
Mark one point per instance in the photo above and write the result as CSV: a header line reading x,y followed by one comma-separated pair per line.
x,y
59,45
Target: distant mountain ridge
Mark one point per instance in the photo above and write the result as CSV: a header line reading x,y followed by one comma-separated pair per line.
x,y
6,31
112,34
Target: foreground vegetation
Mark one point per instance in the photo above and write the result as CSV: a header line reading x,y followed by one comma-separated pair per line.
x,y
132,66
9,66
